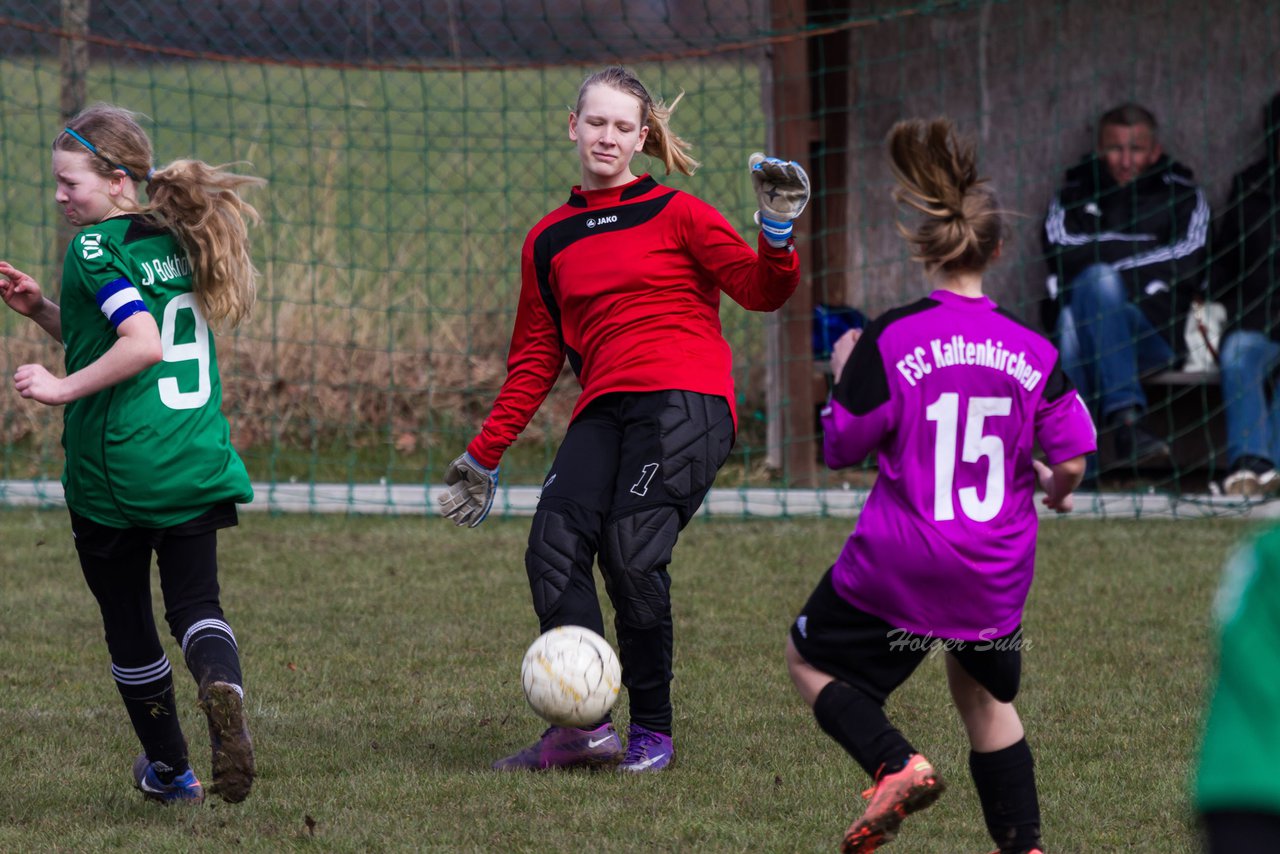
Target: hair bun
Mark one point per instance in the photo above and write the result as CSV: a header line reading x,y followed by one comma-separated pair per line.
x,y
937,175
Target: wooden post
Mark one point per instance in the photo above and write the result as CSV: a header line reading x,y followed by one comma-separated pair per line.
x,y
73,55
789,367
831,104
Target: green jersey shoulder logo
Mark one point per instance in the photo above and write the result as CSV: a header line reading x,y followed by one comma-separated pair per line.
x,y
91,246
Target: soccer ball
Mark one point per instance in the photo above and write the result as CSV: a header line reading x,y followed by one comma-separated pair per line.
x,y
571,676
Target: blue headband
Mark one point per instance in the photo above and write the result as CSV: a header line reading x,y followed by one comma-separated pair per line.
x,y
92,148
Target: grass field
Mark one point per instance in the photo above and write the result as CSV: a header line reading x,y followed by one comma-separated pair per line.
x,y
382,661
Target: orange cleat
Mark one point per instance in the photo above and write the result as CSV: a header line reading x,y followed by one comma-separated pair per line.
x,y
894,797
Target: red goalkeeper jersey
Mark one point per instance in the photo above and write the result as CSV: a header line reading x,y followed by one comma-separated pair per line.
x,y
625,282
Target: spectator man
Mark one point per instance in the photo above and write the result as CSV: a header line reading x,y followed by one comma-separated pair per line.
x,y
1125,243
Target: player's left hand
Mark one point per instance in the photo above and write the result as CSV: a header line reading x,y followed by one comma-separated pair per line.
x,y
34,382
782,191
471,491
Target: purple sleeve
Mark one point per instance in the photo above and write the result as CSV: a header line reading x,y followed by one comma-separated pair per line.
x,y
1064,428
848,438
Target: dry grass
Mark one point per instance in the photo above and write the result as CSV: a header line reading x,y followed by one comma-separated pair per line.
x,y
296,390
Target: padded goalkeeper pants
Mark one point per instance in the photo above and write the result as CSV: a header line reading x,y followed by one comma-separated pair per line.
x,y
631,472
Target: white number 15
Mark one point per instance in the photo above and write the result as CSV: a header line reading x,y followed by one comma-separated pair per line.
x,y
945,411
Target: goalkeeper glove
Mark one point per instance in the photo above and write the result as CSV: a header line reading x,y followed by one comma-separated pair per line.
x,y
470,493
782,189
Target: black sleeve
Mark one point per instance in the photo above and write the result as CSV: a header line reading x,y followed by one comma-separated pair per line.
x,y
1186,271
1058,382
863,384
1228,247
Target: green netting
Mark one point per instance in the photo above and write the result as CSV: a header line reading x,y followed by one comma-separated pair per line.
x,y
410,145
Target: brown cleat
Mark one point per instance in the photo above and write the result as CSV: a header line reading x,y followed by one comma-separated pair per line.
x,y
233,766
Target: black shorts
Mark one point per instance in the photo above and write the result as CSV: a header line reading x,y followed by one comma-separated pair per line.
x,y
102,541
1233,831
870,654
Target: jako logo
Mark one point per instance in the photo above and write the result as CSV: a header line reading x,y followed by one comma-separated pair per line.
x,y
604,220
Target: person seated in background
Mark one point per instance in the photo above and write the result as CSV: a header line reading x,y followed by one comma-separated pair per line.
x,y
1125,242
1246,272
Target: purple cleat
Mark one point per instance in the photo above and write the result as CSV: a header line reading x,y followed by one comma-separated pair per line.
x,y
647,750
566,747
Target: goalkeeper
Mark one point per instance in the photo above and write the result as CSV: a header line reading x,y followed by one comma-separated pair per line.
x,y
624,281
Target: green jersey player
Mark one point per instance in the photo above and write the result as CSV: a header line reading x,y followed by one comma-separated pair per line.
x,y
153,450
1237,792
149,462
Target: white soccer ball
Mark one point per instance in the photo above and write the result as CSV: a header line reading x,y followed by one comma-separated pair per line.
x,y
571,676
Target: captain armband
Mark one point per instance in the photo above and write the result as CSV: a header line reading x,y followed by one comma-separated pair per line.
x,y
119,300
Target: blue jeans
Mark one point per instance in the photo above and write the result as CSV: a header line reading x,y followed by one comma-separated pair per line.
x,y
1253,424
1106,343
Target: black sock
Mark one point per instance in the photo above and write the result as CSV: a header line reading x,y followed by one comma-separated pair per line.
x,y
1006,784
211,653
859,725
646,656
651,708
153,712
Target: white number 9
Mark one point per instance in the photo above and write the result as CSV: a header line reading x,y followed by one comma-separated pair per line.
x,y
197,350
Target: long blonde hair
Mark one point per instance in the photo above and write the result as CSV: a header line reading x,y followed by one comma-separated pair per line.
x,y
200,204
937,173
660,143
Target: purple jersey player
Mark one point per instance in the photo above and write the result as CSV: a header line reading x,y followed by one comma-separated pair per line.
x,y
954,396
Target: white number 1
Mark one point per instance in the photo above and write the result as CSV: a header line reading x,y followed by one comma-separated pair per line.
x,y
196,350
945,412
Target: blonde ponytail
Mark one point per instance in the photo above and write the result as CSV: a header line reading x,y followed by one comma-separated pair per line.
x,y
201,205
937,174
664,145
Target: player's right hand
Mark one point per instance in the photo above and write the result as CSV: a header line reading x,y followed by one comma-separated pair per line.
x,y
19,291
1057,503
471,491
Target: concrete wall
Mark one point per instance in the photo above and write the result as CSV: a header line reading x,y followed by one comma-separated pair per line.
x,y
1028,79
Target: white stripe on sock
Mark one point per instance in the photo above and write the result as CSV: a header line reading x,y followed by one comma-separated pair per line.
x,y
141,675
213,625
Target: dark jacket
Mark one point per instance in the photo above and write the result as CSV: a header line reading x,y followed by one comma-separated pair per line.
x,y
1152,231
1246,243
